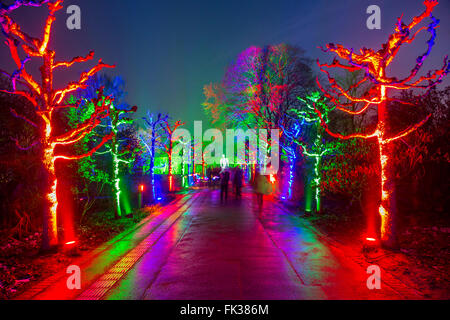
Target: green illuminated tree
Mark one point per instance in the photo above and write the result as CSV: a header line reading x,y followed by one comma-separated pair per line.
x,y
91,173
312,142
119,150
104,167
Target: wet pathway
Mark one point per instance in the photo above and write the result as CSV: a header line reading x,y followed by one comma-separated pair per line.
x,y
197,249
233,252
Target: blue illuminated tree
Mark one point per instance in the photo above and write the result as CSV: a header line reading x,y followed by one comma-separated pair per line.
x,y
290,150
153,138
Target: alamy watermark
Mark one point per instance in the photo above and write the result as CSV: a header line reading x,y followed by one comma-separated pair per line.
x,y
374,20
74,280
374,281
73,22
250,147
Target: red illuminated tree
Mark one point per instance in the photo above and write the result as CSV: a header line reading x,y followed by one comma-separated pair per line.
x,y
170,129
47,101
374,65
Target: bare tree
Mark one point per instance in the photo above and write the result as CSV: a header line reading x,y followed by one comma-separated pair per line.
x,y
47,101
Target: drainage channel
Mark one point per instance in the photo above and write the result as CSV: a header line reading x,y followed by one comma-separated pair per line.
x,y
100,287
169,252
146,226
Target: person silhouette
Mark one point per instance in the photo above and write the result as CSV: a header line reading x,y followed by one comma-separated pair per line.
x,y
237,182
224,180
262,187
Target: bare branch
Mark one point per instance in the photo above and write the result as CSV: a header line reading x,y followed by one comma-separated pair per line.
x,y
88,154
409,130
15,114
20,147
88,57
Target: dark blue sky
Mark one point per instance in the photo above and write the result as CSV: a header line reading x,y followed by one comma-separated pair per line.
x,y
168,50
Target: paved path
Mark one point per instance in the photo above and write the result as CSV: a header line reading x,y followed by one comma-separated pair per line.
x,y
198,249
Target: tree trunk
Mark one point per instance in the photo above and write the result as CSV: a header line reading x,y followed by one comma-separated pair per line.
x,y
203,167
308,194
291,176
170,168
388,206
317,184
50,224
152,166
116,178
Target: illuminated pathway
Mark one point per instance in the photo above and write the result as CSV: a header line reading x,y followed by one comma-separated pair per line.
x,y
196,249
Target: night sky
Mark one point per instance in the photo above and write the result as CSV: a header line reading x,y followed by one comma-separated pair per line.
x,y
168,50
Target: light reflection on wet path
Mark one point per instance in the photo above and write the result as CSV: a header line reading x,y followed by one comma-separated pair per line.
x,y
196,249
232,252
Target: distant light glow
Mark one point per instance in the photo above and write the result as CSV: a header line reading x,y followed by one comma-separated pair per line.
x,y
273,179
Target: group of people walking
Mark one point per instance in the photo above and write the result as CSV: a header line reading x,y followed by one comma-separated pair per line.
x,y
237,177
261,185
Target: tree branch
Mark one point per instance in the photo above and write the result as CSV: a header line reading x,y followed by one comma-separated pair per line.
x,y
409,130
340,136
88,57
88,154
59,95
15,114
